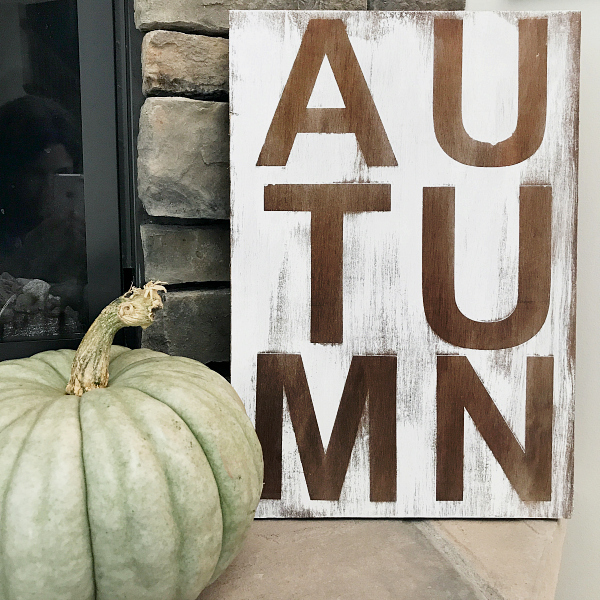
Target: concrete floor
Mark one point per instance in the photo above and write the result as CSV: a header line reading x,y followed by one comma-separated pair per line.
x,y
394,560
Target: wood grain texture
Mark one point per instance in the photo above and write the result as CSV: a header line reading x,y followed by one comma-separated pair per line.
x,y
483,285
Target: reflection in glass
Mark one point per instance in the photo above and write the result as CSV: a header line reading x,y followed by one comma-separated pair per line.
x,y
42,220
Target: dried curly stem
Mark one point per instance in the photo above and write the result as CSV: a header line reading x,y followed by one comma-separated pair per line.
x,y
90,365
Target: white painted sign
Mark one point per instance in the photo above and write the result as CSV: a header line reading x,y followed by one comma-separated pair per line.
x,y
403,190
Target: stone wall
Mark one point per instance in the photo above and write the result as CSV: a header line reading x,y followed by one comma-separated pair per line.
x,y
183,162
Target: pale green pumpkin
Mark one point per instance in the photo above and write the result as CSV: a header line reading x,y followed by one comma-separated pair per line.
x,y
142,490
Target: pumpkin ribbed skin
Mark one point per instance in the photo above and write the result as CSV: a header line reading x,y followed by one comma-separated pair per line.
x,y
143,490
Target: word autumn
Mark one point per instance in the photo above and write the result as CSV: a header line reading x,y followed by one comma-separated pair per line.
x,y
458,388
434,326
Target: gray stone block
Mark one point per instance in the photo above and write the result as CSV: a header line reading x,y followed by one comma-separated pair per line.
x,y
183,158
185,254
184,64
196,324
211,16
416,4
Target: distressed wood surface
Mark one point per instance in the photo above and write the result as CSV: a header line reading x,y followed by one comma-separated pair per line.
x,y
404,192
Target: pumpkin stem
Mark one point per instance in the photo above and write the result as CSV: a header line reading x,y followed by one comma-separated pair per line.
x,y
90,365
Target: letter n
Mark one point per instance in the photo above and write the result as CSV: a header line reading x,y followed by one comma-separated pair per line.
x,y
372,376
528,469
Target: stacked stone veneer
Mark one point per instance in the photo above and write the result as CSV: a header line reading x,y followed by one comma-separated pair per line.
x,y
183,161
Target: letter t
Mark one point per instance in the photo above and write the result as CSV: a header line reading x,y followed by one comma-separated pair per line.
x,y
327,204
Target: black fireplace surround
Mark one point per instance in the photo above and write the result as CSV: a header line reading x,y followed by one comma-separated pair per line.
x,y
67,168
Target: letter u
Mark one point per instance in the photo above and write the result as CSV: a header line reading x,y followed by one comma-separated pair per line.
x,y
533,300
447,96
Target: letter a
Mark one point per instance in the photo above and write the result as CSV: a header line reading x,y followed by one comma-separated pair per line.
x,y
326,37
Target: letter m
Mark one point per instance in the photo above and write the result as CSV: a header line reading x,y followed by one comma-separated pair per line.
x,y
372,377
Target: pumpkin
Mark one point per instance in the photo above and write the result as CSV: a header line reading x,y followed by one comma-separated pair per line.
x,y
137,483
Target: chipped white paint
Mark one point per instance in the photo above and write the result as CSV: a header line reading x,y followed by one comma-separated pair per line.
x,y
383,307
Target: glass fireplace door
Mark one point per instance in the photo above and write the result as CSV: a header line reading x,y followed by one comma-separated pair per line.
x,y
59,221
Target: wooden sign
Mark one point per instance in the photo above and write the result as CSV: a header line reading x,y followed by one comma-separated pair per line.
x,y
404,191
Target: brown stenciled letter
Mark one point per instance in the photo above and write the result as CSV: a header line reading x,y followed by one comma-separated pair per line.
x,y
447,96
533,300
326,37
372,376
459,388
327,204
